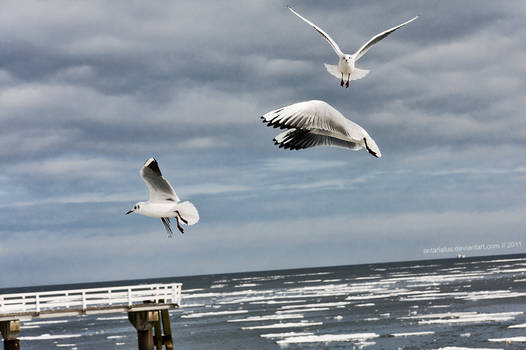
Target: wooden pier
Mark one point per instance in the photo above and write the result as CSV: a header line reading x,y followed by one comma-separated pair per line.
x,y
147,306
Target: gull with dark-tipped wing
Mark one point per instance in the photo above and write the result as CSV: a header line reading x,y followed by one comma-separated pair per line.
x,y
163,202
316,123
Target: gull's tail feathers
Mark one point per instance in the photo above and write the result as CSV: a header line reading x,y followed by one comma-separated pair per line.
x,y
188,212
358,73
333,70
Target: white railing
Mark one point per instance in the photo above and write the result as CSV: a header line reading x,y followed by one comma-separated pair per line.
x,y
84,299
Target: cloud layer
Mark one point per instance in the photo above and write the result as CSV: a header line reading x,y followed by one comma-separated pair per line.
x,y
90,90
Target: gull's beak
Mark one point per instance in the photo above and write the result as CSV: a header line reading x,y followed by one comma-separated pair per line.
x,y
129,212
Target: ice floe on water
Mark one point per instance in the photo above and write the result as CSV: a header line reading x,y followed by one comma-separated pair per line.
x,y
285,325
328,338
213,314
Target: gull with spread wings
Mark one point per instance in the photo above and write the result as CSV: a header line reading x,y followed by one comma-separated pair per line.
x,y
346,64
164,202
316,123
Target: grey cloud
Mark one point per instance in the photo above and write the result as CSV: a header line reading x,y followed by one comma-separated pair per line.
x,y
90,90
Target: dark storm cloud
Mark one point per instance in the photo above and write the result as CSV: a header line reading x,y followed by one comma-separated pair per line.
x,y
90,90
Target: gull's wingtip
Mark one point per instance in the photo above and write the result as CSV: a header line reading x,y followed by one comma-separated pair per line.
x,y
149,161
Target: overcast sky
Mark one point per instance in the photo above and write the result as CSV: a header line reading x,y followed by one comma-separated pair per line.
x,y
89,90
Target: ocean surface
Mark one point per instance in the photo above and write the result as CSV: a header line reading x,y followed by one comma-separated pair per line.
x,y
470,303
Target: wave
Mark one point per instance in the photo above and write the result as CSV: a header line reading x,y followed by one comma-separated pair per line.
x,y
410,334
47,336
331,304
216,313
508,340
285,325
464,317
328,338
312,309
267,318
285,335
111,318
43,322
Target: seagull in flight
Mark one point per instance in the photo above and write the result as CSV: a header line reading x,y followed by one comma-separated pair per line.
x,y
164,202
346,64
317,123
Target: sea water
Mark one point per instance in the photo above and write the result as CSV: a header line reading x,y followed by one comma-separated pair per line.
x,y
471,303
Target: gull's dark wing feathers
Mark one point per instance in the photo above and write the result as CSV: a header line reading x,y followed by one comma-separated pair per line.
x,y
160,189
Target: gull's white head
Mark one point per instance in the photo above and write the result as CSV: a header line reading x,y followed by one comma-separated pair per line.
x,y
136,208
347,58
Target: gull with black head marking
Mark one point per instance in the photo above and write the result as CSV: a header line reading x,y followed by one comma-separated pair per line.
x,y
346,63
317,123
164,202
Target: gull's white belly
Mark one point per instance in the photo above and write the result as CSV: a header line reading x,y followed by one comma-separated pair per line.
x,y
159,210
345,67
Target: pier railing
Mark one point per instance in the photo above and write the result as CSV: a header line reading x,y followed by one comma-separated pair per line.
x,y
89,299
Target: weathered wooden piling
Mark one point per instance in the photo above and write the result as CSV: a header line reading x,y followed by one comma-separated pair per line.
x,y
143,321
10,331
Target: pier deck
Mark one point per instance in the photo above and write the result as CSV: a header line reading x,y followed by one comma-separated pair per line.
x,y
146,304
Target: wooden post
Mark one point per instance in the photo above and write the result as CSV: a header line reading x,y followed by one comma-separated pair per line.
x,y
145,339
167,338
10,331
143,322
158,336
